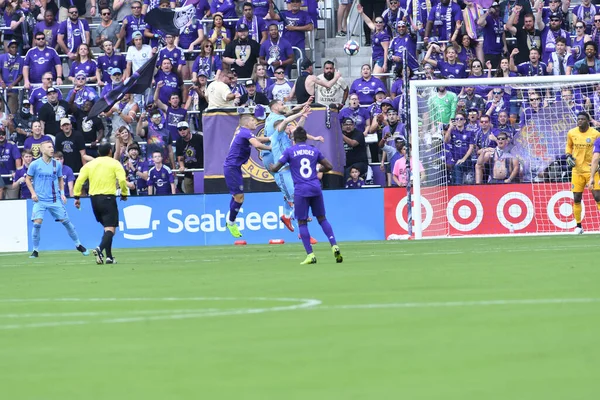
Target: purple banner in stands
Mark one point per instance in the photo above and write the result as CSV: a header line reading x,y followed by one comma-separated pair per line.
x,y
219,127
542,137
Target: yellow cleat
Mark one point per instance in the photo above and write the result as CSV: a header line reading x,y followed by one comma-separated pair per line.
x,y
337,254
234,230
310,259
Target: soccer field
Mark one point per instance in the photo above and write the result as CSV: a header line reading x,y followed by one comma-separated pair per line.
x,y
494,318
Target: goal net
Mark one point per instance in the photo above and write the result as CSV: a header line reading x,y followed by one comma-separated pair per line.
x,y
492,152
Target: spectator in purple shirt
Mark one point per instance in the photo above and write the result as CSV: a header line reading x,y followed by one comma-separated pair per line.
x,y
160,177
132,23
360,115
256,25
80,92
533,67
49,27
261,7
68,176
295,23
450,68
276,52
84,62
354,181
107,62
10,158
11,73
442,21
226,8
208,63
19,178
366,86
39,60
72,33
494,36
380,42
172,83
462,145
37,137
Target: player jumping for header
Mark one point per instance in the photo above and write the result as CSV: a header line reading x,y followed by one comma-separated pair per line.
x,y
239,153
580,143
303,160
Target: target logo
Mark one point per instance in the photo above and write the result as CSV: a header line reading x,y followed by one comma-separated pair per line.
x,y
464,212
515,210
426,219
560,210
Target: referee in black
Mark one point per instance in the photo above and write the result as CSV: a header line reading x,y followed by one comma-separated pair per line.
x,y
103,172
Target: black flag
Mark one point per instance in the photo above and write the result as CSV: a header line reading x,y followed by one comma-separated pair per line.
x,y
138,83
170,21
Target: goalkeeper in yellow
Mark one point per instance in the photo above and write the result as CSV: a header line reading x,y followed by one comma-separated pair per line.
x,y
580,144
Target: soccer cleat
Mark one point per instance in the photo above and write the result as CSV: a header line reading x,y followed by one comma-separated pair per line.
x,y
34,254
110,261
310,259
578,230
99,256
83,250
337,253
234,230
287,221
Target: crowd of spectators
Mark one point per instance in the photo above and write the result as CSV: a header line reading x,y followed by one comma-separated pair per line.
x,y
246,56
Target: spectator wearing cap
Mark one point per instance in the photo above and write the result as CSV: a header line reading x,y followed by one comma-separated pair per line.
x,y
366,86
355,148
550,34
157,137
116,80
137,55
242,52
131,23
336,94
173,53
91,128
39,60
37,137
190,154
122,114
107,29
172,83
84,63
11,73
72,144
256,25
208,63
136,171
404,41
22,122
360,115
276,52
494,36
49,27
586,12
559,8
281,89
174,111
305,85
10,159
52,112
527,33
73,32
107,62
80,92
252,97
295,23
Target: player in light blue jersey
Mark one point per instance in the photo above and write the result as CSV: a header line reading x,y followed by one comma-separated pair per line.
x,y
45,182
279,133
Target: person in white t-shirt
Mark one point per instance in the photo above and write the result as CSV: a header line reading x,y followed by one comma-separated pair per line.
x,y
137,55
337,94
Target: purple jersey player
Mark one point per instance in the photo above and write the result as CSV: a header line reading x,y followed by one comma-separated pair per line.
x,y
239,153
303,160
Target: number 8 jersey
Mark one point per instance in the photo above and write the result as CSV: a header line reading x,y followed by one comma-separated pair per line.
x,y
303,160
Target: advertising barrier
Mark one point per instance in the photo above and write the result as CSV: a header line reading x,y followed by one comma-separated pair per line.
x,y
13,228
489,209
199,220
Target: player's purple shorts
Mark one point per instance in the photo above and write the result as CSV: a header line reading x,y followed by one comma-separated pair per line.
x,y
301,205
234,179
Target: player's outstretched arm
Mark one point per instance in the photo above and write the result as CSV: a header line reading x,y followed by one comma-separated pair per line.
x,y
258,145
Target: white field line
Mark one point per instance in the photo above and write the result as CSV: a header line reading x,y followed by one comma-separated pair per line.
x,y
157,299
300,304
101,313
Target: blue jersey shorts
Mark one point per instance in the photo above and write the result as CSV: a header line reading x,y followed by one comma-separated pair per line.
x,y
57,210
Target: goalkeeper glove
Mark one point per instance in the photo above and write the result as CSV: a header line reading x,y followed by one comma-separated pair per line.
x,y
570,161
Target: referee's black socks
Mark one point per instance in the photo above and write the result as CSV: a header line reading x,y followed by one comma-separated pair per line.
x,y
106,243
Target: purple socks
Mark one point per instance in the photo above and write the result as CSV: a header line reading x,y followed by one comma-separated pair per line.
x,y
328,231
234,209
305,235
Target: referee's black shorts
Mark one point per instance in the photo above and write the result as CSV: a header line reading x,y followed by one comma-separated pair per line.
x,y
106,210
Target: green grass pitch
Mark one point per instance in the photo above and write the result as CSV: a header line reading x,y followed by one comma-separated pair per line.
x,y
494,318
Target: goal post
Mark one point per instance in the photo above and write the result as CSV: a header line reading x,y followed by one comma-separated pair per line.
x,y
541,192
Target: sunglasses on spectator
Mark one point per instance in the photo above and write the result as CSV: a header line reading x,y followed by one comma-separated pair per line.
x,y
497,92
502,138
135,7
459,119
597,20
555,19
107,13
207,45
535,99
81,78
181,128
73,12
278,72
484,121
379,21
40,38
